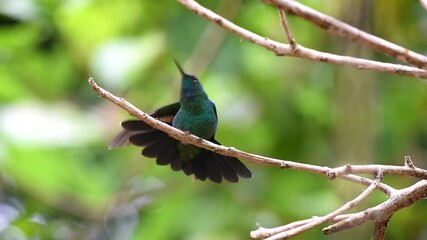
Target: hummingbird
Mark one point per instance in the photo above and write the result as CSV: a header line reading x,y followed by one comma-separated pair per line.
x,y
196,114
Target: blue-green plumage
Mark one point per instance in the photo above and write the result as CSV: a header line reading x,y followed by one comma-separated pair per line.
x,y
196,114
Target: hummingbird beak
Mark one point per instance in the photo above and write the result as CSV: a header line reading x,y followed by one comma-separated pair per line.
x,y
179,68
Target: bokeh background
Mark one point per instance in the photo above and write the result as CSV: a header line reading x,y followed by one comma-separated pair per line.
x,y
58,180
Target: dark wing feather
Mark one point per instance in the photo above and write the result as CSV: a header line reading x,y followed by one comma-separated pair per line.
x,y
167,111
169,154
156,148
147,138
122,139
136,125
131,128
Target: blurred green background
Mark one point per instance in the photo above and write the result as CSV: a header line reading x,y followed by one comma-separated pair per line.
x,y
59,181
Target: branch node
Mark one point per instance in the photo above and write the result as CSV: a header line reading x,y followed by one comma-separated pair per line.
x,y
323,59
218,21
332,174
283,165
379,176
347,169
408,162
280,54
231,149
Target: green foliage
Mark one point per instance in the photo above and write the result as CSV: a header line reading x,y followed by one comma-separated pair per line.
x,y
59,181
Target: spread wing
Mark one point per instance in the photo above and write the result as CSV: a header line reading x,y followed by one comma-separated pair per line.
x,y
157,144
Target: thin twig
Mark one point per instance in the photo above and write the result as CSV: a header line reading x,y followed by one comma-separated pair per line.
x,y
351,33
408,162
285,25
262,232
366,181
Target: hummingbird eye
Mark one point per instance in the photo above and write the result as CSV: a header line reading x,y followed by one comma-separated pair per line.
x,y
194,79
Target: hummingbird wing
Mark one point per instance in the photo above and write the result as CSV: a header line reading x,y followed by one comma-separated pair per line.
x,y
135,127
167,113
157,144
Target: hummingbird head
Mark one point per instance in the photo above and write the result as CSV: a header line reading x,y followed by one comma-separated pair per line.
x,y
190,86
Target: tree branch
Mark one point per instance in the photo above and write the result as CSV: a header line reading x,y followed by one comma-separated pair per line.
x,y
367,182
281,49
344,30
374,168
382,213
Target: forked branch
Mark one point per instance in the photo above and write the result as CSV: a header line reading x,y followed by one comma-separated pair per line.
x,y
351,33
281,49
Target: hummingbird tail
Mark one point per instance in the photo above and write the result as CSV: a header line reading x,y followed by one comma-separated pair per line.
x,y
216,167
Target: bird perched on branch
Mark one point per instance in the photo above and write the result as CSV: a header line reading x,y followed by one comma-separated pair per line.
x,y
196,114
